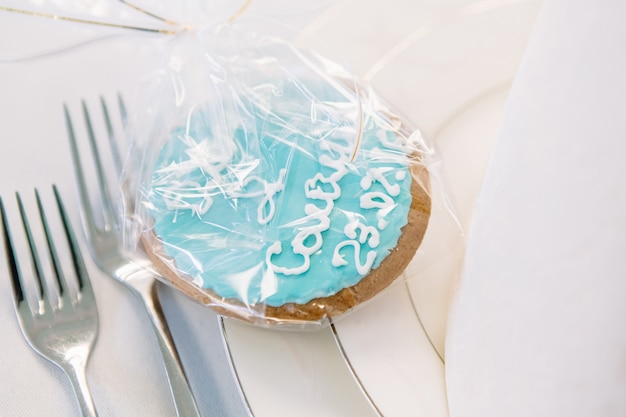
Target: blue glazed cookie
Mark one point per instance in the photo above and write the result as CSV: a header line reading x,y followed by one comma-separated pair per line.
x,y
308,205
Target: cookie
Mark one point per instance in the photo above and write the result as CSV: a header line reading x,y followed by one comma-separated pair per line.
x,y
304,202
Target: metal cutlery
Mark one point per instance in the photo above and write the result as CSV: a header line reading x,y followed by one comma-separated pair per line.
x,y
64,332
102,227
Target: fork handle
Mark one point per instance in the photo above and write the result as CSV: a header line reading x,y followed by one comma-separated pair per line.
x,y
75,370
184,402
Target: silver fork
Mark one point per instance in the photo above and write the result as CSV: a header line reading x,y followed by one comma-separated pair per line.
x,y
107,250
66,332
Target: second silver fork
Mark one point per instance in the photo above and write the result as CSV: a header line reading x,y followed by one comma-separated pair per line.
x,y
103,230
62,332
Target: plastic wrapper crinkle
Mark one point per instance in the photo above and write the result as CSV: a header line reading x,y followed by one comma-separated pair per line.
x,y
272,185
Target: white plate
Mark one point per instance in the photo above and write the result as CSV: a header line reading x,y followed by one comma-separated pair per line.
x,y
450,76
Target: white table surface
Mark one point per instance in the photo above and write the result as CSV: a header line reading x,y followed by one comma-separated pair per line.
x,y
125,371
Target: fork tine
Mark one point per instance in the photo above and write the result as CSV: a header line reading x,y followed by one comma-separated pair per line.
x,y
103,188
44,300
65,334
36,263
85,204
115,150
18,292
84,284
54,257
123,112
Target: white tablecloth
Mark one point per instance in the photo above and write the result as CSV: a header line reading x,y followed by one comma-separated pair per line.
x,y
537,321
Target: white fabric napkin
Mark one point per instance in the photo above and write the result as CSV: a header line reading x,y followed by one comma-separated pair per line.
x,y
538,324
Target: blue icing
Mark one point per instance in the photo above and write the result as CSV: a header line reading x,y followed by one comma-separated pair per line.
x,y
255,217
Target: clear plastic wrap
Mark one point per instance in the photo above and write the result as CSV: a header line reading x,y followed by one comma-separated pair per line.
x,y
271,184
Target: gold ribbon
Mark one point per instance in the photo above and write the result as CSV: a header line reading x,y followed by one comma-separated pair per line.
x,y
170,22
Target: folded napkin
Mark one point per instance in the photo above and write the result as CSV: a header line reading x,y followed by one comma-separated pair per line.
x,y
538,326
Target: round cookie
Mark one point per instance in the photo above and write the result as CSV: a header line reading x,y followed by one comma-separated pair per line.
x,y
301,207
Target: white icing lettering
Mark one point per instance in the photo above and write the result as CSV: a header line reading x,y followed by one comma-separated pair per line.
x,y
211,158
313,190
277,249
337,164
178,195
339,259
368,234
268,191
317,188
380,201
315,231
298,244
377,175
